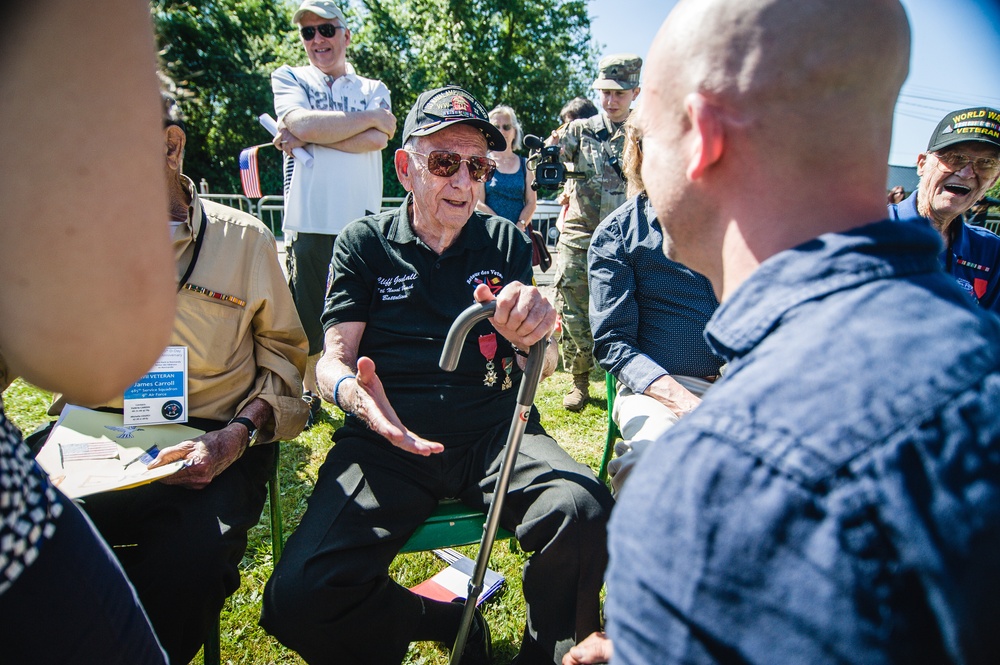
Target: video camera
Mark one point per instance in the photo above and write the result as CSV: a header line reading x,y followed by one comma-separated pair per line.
x,y
544,161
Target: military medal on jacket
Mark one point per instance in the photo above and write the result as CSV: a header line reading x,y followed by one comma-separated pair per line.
x,y
488,347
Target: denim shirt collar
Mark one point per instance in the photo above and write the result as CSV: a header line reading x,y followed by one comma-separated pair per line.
x,y
813,270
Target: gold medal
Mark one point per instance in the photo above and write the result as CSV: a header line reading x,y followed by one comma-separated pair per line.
x,y
508,365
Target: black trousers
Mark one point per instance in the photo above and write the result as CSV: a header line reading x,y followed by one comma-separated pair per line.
x,y
181,548
308,261
74,605
330,597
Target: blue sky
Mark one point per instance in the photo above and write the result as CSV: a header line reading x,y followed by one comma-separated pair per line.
x,y
954,62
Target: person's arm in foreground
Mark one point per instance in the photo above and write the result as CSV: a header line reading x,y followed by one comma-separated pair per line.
x,y
363,395
87,277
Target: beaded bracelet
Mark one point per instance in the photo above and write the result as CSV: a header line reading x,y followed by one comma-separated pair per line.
x,y
336,389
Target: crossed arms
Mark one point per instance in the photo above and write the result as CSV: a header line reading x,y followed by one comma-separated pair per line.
x,y
361,131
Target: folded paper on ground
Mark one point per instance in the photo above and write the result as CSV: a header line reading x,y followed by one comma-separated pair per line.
x,y
453,581
92,451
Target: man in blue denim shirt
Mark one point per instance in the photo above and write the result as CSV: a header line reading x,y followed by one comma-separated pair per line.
x,y
836,496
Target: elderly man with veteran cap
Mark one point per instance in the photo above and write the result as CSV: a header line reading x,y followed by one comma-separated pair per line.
x,y
962,162
345,121
593,146
414,434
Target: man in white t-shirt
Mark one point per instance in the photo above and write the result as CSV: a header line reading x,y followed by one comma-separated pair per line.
x,y
344,121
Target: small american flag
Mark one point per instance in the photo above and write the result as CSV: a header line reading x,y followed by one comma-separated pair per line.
x,y
249,174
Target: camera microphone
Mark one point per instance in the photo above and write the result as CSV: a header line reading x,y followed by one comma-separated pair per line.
x,y
533,142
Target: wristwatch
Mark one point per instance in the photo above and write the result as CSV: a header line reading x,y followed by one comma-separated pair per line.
x,y
251,429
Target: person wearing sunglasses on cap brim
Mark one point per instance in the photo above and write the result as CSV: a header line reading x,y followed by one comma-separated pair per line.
x,y
344,120
414,434
961,163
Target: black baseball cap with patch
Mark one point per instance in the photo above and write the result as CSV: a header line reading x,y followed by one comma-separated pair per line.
x,y
444,107
981,124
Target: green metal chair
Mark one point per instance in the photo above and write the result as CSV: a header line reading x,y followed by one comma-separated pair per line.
x,y
453,524
450,525
212,653
614,434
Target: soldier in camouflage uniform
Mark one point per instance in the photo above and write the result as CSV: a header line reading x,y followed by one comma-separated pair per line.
x,y
592,146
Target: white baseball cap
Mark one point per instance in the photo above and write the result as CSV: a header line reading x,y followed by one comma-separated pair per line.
x,y
321,8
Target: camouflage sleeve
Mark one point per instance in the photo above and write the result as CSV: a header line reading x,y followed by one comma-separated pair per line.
x,y
570,141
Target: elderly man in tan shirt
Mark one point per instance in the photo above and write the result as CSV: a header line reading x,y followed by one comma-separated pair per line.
x,y
181,539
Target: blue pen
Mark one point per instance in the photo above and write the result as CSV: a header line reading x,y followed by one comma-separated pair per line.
x,y
146,456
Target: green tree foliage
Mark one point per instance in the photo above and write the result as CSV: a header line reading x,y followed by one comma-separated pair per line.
x,y
533,55
221,53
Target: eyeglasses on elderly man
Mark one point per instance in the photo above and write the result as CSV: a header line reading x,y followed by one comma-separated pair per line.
x,y
952,162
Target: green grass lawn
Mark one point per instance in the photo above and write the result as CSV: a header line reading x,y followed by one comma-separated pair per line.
x,y
243,641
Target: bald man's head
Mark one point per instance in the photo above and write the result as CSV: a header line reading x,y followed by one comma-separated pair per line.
x,y
795,93
750,52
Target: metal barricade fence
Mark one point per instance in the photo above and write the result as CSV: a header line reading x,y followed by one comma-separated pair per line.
x,y
271,210
544,220
237,201
993,222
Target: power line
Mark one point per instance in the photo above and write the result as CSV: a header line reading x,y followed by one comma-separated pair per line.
x,y
949,97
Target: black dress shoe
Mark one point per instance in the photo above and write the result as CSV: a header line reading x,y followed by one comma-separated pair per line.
x,y
479,645
531,654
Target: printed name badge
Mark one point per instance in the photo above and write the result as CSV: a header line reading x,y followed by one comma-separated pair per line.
x,y
161,396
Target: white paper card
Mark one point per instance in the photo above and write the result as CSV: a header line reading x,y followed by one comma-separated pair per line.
x,y
161,396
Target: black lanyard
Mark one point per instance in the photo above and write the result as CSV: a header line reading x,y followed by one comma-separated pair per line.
x,y
197,250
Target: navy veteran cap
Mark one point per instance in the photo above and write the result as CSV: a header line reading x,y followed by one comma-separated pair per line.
x,y
618,72
443,107
980,124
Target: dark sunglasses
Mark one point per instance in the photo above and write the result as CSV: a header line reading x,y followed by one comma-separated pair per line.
x,y
504,126
446,164
328,30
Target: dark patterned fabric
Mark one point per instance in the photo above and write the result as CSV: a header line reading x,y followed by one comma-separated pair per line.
x,y
28,506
